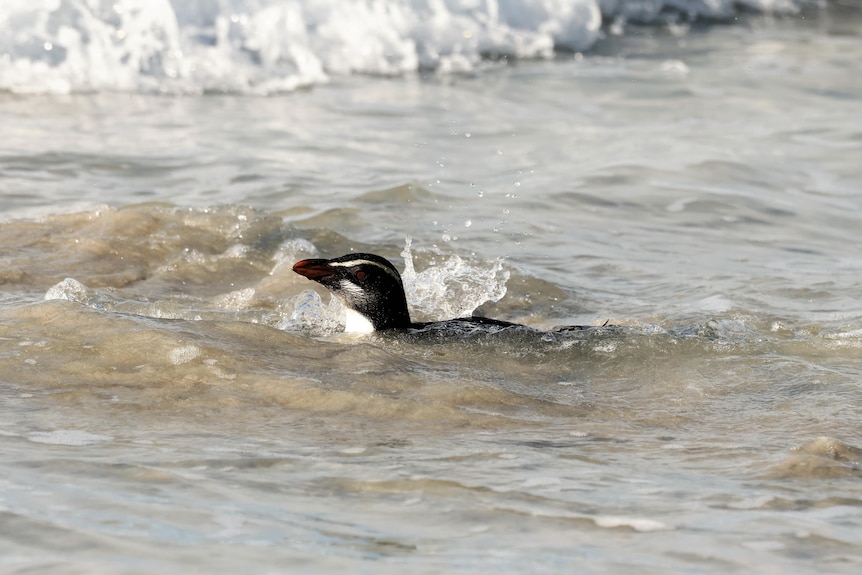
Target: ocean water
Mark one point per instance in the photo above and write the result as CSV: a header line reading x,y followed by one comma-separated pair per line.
x,y
174,398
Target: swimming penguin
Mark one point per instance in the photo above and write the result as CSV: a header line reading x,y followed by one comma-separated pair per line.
x,y
373,293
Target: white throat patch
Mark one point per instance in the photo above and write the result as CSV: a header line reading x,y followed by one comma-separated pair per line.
x,y
356,322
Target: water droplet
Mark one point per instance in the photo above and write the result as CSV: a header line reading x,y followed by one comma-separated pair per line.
x,y
480,193
48,46
468,223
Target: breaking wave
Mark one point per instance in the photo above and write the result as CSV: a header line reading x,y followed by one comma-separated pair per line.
x,y
271,46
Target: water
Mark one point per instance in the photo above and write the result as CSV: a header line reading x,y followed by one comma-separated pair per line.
x,y
175,398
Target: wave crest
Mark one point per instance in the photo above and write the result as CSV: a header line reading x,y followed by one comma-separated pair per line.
x,y
271,46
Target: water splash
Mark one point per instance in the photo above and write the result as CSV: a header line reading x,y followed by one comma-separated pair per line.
x,y
313,316
452,288
72,290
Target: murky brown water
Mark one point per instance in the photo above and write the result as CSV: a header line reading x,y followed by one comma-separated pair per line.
x,y
173,397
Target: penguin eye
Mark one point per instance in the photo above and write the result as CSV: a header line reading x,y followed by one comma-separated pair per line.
x,y
360,275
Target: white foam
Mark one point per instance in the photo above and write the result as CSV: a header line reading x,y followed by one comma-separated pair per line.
x,y
184,354
69,289
71,437
271,46
235,300
638,524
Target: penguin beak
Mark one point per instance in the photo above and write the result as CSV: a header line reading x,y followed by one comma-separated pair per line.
x,y
314,269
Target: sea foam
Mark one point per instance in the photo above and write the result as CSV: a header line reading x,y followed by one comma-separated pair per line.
x,y
272,46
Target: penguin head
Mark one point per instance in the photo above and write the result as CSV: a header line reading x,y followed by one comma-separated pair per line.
x,y
369,286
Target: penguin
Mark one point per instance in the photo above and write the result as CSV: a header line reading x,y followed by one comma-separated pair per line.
x,y
373,293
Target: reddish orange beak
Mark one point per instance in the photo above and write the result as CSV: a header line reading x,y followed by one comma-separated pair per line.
x,y
314,269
